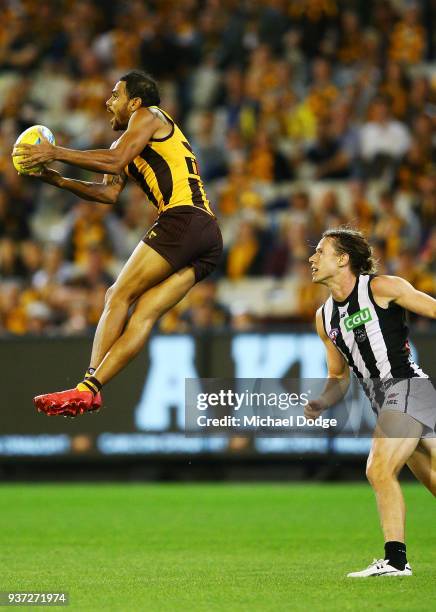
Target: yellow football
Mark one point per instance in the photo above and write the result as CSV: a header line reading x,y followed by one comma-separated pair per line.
x,y
32,136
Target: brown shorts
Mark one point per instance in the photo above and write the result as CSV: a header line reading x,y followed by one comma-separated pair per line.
x,y
186,236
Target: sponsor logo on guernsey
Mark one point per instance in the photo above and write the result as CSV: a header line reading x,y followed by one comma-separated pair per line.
x,y
357,319
392,402
360,334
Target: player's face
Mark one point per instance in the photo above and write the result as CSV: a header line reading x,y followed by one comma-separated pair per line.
x,y
117,105
325,261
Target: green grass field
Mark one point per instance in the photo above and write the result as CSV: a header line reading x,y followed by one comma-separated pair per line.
x,y
210,547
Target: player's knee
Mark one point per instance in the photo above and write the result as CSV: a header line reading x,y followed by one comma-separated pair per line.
x,y
379,470
372,473
118,293
145,317
152,317
110,294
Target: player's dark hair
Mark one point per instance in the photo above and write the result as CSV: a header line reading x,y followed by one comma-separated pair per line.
x,y
356,246
139,84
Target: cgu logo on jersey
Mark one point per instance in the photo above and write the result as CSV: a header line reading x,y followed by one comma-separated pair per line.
x,y
357,319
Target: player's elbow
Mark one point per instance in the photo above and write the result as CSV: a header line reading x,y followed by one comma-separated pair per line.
x,y
106,194
114,167
114,164
110,196
119,161
118,167
341,373
107,200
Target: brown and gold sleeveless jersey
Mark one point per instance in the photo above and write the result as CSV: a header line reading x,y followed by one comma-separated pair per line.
x,y
167,172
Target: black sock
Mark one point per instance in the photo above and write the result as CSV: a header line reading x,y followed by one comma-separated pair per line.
x,y
90,384
396,553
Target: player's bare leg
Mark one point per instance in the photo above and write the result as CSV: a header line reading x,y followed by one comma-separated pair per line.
x,y
144,269
388,456
149,308
423,463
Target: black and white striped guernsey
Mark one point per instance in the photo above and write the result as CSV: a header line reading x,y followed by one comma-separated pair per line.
x,y
373,340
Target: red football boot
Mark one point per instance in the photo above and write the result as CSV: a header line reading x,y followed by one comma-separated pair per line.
x,y
67,403
97,402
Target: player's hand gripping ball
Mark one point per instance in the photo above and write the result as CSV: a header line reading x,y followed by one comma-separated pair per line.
x,y
32,136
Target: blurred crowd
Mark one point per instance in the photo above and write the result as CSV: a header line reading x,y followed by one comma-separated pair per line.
x,y
304,115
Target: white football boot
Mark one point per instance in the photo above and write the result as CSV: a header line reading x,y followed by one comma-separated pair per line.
x,y
381,568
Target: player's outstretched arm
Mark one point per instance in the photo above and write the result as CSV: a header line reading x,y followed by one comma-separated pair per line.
x,y
388,289
338,375
140,129
106,192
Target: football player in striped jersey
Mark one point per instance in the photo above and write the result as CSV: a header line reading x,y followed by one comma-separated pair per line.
x,y
363,327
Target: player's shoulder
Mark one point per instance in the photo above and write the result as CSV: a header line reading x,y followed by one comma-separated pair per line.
x,y
324,309
142,116
387,286
319,312
319,322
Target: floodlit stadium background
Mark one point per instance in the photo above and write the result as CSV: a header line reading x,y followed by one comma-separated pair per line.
x,y
303,115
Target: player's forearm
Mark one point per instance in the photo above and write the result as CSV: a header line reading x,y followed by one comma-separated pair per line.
x,y
334,391
105,161
423,305
95,192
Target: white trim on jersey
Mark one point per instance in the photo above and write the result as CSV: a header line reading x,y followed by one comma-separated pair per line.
x,y
327,322
378,346
328,309
415,367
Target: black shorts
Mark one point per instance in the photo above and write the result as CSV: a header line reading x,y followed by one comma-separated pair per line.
x,y
187,236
